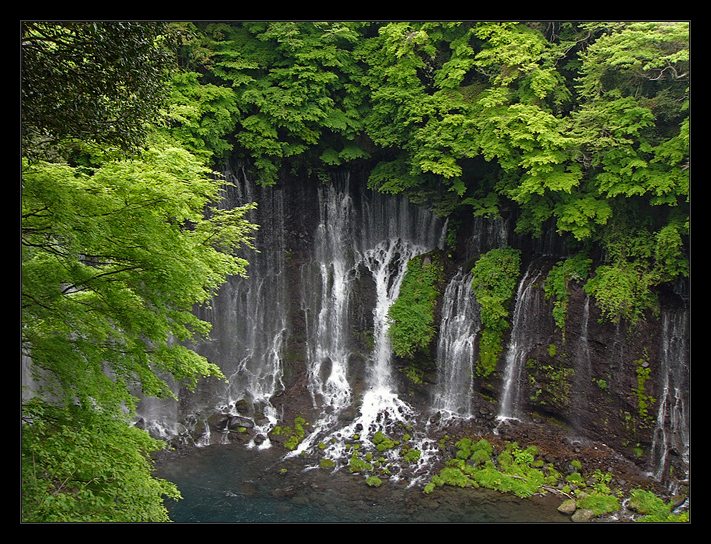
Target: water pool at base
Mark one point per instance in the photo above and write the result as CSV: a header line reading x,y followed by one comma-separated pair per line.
x,y
231,484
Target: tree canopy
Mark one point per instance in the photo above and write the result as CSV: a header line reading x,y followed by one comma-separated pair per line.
x,y
121,236
578,127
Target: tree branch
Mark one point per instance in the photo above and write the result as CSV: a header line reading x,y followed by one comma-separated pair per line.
x,y
103,274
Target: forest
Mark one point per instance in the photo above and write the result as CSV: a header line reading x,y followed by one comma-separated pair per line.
x,y
572,130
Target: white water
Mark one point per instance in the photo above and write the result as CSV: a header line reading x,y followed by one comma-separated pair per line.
x,y
583,368
456,349
486,234
523,338
672,426
249,329
388,234
327,342
160,416
259,311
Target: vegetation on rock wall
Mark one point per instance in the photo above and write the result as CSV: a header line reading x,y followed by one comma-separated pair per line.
x,y
494,279
582,126
412,326
556,286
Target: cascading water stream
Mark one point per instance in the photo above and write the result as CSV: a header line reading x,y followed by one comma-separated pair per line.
x,y
456,349
671,434
391,232
583,369
249,328
523,338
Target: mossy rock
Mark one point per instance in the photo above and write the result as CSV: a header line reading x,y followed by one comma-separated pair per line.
x,y
583,515
567,507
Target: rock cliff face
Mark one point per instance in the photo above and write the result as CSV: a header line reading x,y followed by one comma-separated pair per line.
x,y
303,335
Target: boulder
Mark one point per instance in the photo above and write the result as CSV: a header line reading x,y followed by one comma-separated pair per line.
x,y
583,515
243,406
218,422
236,422
259,439
567,507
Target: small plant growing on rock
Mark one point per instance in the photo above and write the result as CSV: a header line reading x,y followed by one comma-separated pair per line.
x,y
601,384
654,508
413,456
373,481
356,464
326,463
599,503
576,479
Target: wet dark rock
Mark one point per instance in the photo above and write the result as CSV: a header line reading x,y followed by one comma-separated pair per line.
x,y
259,439
235,422
243,406
218,422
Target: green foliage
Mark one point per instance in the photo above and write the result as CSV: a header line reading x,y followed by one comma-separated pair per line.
x,y
576,464
96,81
552,350
654,508
80,464
576,126
114,259
515,473
620,292
412,456
383,442
601,384
599,503
576,479
429,488
412,325
373,481
326,463
639,260
494,279
414,374
644,401
201,115
356,464
556,286
293,435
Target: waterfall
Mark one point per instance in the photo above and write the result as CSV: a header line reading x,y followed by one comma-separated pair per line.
x,y
326,289
160,416
249,317
527,312
456,348
487,234
378,237
583,368
671,433
30,387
